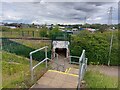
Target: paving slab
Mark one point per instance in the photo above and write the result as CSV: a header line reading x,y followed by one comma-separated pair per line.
x,y
73,71
57,79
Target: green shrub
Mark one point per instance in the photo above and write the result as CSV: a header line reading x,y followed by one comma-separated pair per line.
x,y
43,32
96,46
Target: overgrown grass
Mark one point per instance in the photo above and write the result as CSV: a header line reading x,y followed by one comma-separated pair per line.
x,y
16,64
16,71
97,80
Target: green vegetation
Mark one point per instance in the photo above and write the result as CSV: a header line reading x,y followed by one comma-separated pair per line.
x,y
96,46
43,32
15,54
23,32
55,32
40,33
24,47
97,80
15,71
15,62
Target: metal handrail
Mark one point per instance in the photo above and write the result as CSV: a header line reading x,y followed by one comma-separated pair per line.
x,y
44,60
82,67
58,65
73,57
82,63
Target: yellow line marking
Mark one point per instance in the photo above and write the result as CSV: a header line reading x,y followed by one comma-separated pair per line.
x,y
69,70
66,70
63,73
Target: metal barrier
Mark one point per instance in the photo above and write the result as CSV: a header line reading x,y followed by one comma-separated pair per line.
x,y
44,60
82,68
71,62
57,63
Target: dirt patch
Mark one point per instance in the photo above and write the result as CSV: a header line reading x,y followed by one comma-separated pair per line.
x,y
107,70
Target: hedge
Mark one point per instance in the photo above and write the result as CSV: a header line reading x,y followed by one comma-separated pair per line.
x,y
97,47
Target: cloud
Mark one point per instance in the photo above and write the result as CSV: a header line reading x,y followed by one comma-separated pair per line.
x,y
56,12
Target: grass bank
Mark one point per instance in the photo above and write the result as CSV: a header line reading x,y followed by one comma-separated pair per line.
x,y
16,71
15,62
95,79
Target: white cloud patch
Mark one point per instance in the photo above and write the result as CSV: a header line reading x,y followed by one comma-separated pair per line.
x,y
57,12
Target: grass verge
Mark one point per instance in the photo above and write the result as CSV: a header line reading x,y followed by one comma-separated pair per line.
x,y
15,71
97,80
15,62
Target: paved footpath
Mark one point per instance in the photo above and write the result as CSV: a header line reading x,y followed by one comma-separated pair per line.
x,y
57,79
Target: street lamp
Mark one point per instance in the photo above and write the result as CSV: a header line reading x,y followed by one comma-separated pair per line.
x,y
113,28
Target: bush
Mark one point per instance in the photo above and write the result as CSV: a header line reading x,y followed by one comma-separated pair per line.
x,y
43,32
54,33
96,46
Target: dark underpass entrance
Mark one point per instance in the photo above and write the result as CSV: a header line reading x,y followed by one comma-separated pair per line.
x,y
61,51
61,48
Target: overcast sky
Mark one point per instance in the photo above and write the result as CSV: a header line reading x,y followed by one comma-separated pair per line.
x,y
57,12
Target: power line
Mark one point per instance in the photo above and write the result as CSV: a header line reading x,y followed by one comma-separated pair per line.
x,y
110,16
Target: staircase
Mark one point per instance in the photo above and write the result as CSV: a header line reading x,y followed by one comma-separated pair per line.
x,y
61,74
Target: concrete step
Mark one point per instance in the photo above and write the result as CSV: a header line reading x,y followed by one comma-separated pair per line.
x,y
57,79
72,71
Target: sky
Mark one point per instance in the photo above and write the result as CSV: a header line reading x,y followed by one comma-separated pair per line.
x,y
43,12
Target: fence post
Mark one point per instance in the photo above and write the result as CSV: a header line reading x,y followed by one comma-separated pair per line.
x,y
28,32
70,59
22,33
33,33
46,55
31,68
86,63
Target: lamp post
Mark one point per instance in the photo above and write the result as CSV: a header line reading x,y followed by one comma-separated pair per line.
x,y
110,23
111,42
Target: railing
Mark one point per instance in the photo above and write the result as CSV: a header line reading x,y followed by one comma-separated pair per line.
x,y
82,63
82,68
57,62
44,60
72,62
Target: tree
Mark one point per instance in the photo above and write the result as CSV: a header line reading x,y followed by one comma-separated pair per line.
x,y
43,32
54,32
103,28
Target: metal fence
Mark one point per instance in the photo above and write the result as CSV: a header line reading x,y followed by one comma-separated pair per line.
x,y
17,34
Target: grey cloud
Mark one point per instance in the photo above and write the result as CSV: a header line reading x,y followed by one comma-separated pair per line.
x,y
55,12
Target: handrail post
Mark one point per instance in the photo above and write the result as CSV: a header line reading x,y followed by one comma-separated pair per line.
x,y
70,60
81,67
86,63
46,55
31,67
57,61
